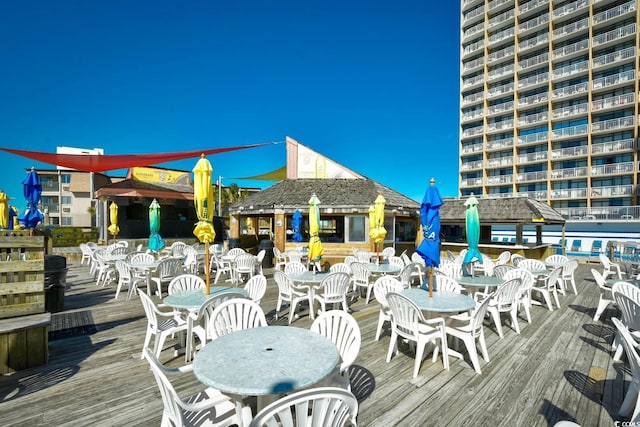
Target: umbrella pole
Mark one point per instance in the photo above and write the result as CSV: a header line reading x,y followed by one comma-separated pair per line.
x,y
431,282
206,268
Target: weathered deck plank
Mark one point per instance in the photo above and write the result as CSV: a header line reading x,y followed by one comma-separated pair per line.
x,y
559,367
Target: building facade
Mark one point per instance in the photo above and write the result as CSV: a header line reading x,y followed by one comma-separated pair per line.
x,y
549,102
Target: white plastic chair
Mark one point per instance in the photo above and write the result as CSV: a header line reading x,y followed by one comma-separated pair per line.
x,y
382,286
387,252
627,297
185,282
499,270
548,286
503,258
609,266
453,270
333,290
291,293
235,252
316,407
526,284
340,267
294,267
295,256
469,328
567,276
448,284
606,297
167,269
259,258
160,329
244,264
207,407
234,315
557,259
279,259
221,267
343,330
410,272
256,286
126,279
516,258
631,401
407,322
86,253
531,264
190,263
503,300
361,278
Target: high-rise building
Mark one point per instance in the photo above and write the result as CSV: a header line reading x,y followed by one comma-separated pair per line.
x,y
549,101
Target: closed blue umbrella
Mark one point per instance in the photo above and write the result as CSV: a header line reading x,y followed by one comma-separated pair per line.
x,y
296,224
429,248
473,231
155,241
32,192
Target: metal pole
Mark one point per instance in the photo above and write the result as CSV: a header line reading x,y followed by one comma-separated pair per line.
x,y
219,196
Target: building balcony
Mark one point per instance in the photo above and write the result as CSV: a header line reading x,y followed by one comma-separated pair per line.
x,y
532,138
533,42
506,18
468,4
619,56
571,49
570,132
471,182
494,5
470,82
533,81
538,195
473,98
571,152
571,70
541,59
507,33
50,186
569,173
612,191
534,23
568,10
472,65
472,31
531,119
537,157
615,12
470,166
472,131
572,28
613,169
532,5
473,48
569,193
473,15
620,101
612,147
567,91
613,124
499,144
501,71
570,111
500,90
532,100
614,80
53,208
472,115
499,162
531,176
499,179
473,148
500,108
500,126
501,54
616,35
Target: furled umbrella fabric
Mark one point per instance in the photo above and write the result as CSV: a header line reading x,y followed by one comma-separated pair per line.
x,y
13,218
429,248
473,231
203,200
315,245
380,232
32,193
155,241
4,210
113,219
372,225
296,224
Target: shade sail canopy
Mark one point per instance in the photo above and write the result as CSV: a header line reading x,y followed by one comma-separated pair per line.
x,y
107,162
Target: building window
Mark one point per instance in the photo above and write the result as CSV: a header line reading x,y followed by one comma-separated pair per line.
x,y
65,178
356,229
66,200
66,220
405,230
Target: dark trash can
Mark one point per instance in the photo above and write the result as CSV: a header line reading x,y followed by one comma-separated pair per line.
x,y
267,245
55,281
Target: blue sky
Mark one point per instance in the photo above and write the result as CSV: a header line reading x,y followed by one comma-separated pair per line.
x,y
373,85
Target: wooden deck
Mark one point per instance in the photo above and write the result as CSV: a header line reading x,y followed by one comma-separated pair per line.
x,y
558,368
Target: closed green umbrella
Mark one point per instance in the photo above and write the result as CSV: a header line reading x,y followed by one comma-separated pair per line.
x,y
473,231
155,241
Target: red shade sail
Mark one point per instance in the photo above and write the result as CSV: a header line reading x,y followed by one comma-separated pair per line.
x,y
106,162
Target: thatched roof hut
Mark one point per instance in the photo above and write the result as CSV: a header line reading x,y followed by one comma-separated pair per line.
x,y
514,210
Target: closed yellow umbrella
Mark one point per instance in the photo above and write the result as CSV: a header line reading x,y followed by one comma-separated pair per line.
x,y
203,200
380,232
4,210
113,217
315,245
372,226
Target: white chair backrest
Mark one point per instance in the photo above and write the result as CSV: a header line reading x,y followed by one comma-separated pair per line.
x,y
343,330
172,409
388,251
234,315
478,317
168,267
235,252
627,296
556,259
361,274
283,282
256,286
600,279
501,269
142,258
408,272
363,256
124,274
285,412
526,277
294,267
516,258
149,309
453,270
185,282
334,286
261,255
506,296
383,285
295,256
245,262
120,250
504,257
631,350
349,259
396,261
415,257
532,264
340,267
569,267
447,284
405,315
